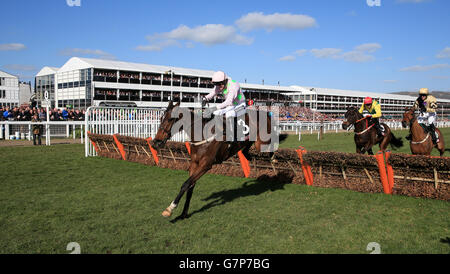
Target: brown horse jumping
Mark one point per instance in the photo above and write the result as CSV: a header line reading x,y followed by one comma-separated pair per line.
x,y
204,155
421,142
366,135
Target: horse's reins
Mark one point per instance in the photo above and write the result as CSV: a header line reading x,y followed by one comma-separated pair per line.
x,y
167,132
210,139
367,123
361,119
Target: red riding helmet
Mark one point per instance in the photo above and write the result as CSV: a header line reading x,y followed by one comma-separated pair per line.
x,y
368,101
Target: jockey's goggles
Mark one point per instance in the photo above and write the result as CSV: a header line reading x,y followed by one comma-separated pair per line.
x,y
219,83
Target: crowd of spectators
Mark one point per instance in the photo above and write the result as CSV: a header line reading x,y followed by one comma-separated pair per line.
x,y
129,75
187,80
151,77
24,114
304,114
105,73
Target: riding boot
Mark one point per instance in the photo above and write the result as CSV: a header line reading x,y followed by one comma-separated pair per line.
x,y
379,130
432,130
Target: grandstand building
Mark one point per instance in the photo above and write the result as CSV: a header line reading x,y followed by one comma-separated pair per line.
x,y
9,90
83,82
336,101
45,81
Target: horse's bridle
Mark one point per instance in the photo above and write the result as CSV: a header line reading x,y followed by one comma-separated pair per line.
x,y
167,132
412,119
357,121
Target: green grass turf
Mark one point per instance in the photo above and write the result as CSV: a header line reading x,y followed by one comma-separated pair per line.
x,y
50,196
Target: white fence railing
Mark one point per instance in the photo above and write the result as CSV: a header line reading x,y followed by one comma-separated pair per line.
x,y
143,123
132,122
302,127
305,126
14,130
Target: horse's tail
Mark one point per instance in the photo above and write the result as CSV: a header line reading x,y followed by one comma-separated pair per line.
x,y
396,142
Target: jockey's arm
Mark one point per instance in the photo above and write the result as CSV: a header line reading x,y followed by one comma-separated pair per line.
x,y
432,105
416,105
211,95
377,114
361,109
233,91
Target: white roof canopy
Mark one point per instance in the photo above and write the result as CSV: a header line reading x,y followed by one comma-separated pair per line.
x,y
47,71
76,63
7,75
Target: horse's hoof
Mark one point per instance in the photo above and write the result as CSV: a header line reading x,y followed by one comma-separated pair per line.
x,y
166,213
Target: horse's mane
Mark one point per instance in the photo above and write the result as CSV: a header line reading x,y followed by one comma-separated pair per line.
x,y
353,110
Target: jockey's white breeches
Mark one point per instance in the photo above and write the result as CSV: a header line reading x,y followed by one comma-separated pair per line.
x,y
231,111
427,118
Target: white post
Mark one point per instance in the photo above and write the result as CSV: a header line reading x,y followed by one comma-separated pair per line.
x,y
47,134
6,131
47,126
86,128
81,134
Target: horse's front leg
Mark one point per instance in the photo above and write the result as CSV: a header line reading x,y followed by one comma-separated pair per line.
x,y
187,202
202,169
360,150
367,148
186,185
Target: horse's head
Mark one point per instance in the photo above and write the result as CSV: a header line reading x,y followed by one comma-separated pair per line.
x,y
351,116
165,129
408,116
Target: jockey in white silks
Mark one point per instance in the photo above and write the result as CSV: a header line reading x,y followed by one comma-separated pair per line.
x,y
234,104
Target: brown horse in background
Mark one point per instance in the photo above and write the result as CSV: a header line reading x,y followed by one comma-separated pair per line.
x,y
366,136
421,142
206,154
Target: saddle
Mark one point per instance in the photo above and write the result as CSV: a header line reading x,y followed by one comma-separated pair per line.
x,y
425,127
428,130
240,130
234,129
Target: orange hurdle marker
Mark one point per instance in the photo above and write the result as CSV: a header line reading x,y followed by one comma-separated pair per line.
x,y
154,152
188,147
390,172
120,147
305,167
244,164
382,169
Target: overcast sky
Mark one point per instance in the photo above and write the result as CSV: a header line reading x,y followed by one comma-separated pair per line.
x,y
348,44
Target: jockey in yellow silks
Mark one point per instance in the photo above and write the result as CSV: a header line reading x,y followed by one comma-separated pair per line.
x,y
374,109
